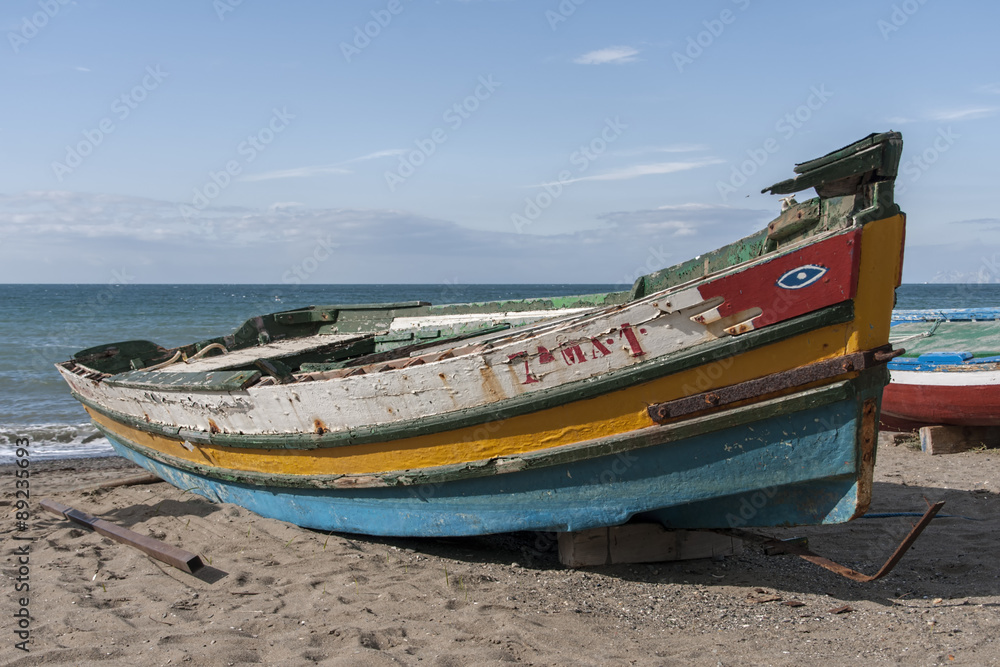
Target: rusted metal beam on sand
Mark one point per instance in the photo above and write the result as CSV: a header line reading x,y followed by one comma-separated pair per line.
x,y
171,555
796,548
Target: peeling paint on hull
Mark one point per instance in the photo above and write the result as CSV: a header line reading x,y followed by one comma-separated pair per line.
x,y
804,465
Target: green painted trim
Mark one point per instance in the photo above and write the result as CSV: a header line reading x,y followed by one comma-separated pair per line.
x,y
166,381
513,407
726,257
876,153
562,455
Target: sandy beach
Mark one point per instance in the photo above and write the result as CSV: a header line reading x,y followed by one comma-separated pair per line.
x,y
276,594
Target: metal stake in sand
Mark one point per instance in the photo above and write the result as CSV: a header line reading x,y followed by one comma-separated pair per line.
x,y
171,555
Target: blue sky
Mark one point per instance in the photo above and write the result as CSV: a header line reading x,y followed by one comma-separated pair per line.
x,y
471,141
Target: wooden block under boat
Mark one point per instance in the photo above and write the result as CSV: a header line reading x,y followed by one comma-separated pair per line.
x,y
641,543
953,439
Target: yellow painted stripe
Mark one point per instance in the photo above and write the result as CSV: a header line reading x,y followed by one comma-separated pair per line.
x,y
616,412
879,273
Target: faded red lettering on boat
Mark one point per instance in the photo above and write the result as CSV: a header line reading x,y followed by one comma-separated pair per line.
x,y
598,347
531,379
633,340
573,354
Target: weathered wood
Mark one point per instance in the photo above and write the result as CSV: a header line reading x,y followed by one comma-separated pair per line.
x,y
148,478
641,543
794,220
171,555
936,440
843,171
505,409
183,381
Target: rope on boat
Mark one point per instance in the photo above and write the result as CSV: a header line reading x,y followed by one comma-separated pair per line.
x,y
164,364
205,350
178,354
923,334
890,515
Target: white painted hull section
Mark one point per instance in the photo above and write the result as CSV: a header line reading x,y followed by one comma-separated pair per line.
x,y
585,344
960,378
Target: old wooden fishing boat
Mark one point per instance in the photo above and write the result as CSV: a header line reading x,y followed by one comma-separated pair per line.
x,y
740,388
950,373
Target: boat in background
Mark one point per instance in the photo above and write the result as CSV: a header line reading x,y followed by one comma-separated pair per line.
x,y
950,373
740,388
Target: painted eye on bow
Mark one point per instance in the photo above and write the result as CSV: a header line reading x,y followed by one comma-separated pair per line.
x,y
802,276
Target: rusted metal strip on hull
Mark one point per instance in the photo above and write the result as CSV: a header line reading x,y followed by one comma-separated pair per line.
x,y
798,377
867,443
797,549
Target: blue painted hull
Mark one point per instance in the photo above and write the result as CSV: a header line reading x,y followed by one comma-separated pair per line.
x,y
800,468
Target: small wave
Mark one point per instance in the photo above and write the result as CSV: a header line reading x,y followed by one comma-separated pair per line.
x,y
53,441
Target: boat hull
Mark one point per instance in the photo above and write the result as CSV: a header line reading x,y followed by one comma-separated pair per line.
x,y
966,397
802,465
738,389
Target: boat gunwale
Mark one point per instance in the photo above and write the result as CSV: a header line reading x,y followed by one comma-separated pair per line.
x,y
540,399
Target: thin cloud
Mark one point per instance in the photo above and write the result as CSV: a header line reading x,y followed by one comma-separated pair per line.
x,y
635,171
392,152
678,148
978,221
990,88
283,205
616,55
335,168
298,172
947,115
963,114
